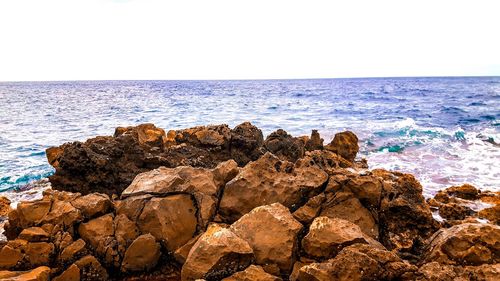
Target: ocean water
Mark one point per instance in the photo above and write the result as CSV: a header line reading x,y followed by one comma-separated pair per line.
x,y
443,130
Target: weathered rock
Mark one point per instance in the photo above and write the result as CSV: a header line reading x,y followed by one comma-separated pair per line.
x,y
344,144
272,232
454,211
93,204
444,272
492,214
73,251
125,232
34,234
99,233
269,180
465,244
4,206
39,253
252,273
182,253
284,146
465,191
315,142
246,143
41,273
327,236
12,253
142,255
91,269
310,210
70,274
171,220
218,253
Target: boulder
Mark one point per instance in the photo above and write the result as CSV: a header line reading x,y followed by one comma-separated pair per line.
x,y
465,244
454,211
344,144
315,142
465,191
93,204
252,273
246,143
327,236
272,232
270,180
91,269
72,273
445,272
41,273
99,234
218,253
73,251
4,206
12,253
34,234
126,231
310,210
142,254
171,220
284,146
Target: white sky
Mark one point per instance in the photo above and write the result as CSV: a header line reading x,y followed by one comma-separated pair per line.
x,y
254,39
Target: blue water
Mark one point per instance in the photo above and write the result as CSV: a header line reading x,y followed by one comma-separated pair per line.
x,y
443,130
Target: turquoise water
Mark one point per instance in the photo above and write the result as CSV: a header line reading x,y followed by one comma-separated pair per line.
x,y
444,130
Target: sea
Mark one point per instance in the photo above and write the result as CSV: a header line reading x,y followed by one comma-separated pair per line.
x,y
444,130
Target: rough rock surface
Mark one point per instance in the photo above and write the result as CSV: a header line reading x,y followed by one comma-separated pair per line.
x,y
345,144
252,273
270,180
272,232
218,253
142,254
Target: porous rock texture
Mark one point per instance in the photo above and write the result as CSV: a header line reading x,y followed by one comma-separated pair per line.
x,y
214,203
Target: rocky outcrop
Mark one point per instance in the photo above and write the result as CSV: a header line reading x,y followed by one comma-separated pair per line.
x,y
214,203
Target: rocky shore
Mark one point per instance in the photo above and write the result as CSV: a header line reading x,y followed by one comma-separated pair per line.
x,y
215,203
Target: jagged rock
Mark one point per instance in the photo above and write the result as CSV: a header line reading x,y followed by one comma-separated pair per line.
x,y
344,144
315,142
34,234
310,210
357,262
454,211
465,244
405,219
171,220
70,274
218,253
41,273
142,254
203,184
99,233
4,206
465,191
126,231
29,214
132,206
284,146
270,180
272,232
492,214
246,143
328,161
445,272
73,251
252,273
12,253
182,253
327,236
93,204
91,269
38,253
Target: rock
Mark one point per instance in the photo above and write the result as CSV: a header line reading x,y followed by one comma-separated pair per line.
x,y
218,253
31,213
99,233
126,231
246,143
12,253
252,273
142,255
171,220
284,146
269,180
39,253
358,262
454,211
446,272
93,204
465,244
465,191
73,251
315,142
41,273
272,232
91,269
405,219
34,234
4,206
132,206
146,134
70,274
492,214
327,236
344,144
181,253
328,161
310,210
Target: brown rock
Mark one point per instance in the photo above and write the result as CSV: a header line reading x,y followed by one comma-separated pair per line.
x,y
132,206
91,269
327,236
171,220
143,254
284,146
272,233
315,142
218,253
445,272
53,155
4,206
246,143
454,211
125,232
70,274
270,180
465,191
73,251
32,213
182,253
465,244
39,253
12,253
34,234
252,273
492,214
94,231
310,210
93,204
41,273
344,144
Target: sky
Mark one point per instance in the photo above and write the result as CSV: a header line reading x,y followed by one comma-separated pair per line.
x,y
231,39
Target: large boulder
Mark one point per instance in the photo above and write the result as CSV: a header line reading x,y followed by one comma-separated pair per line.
x,y
143,254
171,220
344,144
272,232
327,237
465,244
218,253
270,180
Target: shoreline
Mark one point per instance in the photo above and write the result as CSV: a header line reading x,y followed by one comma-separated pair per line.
x,y
214,202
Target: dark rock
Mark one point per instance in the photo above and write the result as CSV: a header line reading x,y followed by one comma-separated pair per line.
x,y
284,146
